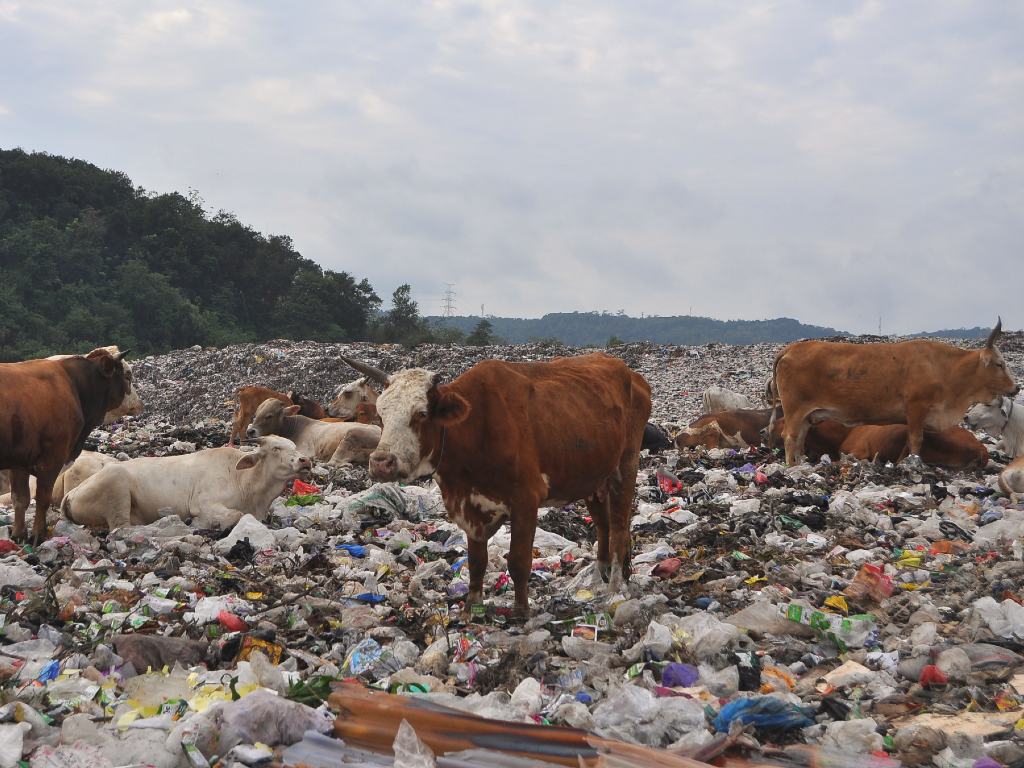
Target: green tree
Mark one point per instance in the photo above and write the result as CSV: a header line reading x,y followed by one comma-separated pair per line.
x,y
614,341
482,334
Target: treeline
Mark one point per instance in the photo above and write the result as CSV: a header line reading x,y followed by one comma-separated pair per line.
x,y
602,328
87,258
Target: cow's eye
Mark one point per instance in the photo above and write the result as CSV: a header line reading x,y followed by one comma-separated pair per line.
x,y
421,414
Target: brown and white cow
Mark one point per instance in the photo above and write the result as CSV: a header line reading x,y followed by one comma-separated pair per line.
x,y
506,438
349,397
725,429
336,443
248,399
922,383
47,411
715,399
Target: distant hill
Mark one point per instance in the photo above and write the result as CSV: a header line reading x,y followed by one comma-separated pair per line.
x,y
958,333
595,329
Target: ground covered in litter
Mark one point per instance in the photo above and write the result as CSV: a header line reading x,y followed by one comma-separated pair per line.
x,y
862,609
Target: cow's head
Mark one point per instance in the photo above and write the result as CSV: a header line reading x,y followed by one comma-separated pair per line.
x,y
349,397
415,408
993,379
270,418
277,459
110,367
991,417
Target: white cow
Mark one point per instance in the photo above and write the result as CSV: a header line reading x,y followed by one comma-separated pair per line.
x,y
215,487
721,399
1003,417
334,442
1011,479
85,466
349,396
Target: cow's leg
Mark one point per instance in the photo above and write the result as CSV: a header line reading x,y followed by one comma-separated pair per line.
x,y
620,512
217,516
797,426
520,556
477,548
21,497
598,507
44,492
915,429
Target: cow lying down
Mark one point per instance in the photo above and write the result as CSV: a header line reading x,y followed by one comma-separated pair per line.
x,y
84,467
336,443
215,487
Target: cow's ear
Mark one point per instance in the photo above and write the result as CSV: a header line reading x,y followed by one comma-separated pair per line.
x,y
291,410
107,363
449,407
248,461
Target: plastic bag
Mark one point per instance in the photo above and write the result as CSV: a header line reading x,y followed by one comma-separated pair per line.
x,y
763,712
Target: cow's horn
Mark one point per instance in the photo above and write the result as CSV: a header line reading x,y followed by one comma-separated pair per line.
x,y
995,333
122,355
368,370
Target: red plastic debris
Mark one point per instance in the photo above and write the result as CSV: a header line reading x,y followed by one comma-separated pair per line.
x,y
668,482
667,567
300,488
6,546
932,675
232,623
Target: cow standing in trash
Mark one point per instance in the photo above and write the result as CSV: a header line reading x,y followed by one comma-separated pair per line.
x,y
922,383
506,438
47,411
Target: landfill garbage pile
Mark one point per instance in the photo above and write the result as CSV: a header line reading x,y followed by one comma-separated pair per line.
x,y
855,613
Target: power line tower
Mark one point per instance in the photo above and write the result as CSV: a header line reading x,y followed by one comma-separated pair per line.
x,y
448,305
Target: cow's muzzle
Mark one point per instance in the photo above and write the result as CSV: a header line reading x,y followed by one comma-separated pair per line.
x,y
252,432
305,470
383,466
1016,391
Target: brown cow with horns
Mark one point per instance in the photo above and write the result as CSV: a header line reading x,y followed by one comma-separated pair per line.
x,y
922,383
47,411
506,438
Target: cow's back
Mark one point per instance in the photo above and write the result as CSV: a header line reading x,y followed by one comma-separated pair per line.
x,y
852,381
572,418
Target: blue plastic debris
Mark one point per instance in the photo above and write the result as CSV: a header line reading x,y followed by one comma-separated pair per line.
x,y
763,712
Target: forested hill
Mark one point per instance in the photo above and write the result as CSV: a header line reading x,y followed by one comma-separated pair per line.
x,y
593,328
88,259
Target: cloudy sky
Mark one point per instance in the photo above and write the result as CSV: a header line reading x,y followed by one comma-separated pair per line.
x,y
829,161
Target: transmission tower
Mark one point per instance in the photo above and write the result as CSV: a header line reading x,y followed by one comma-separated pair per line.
x,y
448,306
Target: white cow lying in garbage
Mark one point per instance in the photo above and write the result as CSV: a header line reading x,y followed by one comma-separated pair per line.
x,y
717,399
1003,417
336,443
215,487
85,466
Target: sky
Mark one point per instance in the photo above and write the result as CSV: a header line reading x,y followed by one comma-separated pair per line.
x,y
843,163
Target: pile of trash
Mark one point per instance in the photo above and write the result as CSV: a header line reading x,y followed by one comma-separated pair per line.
x,y
863,614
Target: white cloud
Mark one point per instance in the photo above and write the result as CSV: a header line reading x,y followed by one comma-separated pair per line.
x,y
801,159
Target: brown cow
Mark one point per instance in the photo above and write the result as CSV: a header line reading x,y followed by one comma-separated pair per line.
x,y
726,429
349,397
48,409
922,383
248,399
505,438
954,448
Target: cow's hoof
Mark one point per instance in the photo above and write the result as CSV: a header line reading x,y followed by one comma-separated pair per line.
x,y
18,537
605,570
521,613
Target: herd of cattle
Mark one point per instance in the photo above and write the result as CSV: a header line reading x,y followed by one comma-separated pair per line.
x,y
501,440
